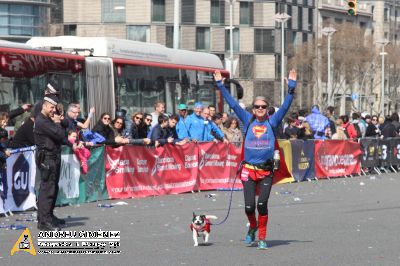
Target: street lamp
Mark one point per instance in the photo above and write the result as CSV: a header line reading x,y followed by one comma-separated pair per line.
x,y
176,24
329,31
383,42
282,18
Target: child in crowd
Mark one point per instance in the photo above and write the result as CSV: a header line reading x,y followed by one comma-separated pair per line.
x,y
80,151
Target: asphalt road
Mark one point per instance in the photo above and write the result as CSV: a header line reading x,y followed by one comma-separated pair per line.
x,y
345,221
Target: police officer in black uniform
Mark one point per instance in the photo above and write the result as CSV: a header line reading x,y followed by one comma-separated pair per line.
x,y
49,136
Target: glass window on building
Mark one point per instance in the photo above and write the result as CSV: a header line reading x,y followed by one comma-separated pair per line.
x,y
158,14
236,40
305,37
246,66
23,20
217,12
300,18
70,30
113,10
246,13
56,11
386,15
203,38
188,11
264,40
139,33
289,21
169,36
310,19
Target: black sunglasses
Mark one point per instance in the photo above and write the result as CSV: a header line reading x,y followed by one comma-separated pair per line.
x,y
260,106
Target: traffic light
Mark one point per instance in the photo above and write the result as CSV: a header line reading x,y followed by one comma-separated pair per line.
x,y
352,7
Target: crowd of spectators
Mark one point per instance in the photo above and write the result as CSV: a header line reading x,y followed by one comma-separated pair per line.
x,y
317,125
204,124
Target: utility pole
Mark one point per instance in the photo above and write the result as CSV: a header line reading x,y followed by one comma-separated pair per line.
x,y
176,23
282,18
329,31
383,42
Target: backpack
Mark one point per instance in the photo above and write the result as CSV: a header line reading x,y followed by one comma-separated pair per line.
x,y
357,128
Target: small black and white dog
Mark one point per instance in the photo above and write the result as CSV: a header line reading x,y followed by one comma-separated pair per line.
x,y
201,226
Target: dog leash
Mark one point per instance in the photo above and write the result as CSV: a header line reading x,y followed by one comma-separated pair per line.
x,y
230,197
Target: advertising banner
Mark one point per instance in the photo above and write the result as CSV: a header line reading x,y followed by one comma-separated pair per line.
x,y
394,155
20,186
369,148
383,152
137,171
218,165
77,188
335,158
69,176
302,159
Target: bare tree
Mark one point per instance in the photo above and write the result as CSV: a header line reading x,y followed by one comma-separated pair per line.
x,y
352,53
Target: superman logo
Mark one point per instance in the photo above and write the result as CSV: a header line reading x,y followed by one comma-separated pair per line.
x,y
258,131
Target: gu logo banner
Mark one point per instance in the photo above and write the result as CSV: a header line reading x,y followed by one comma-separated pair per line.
x,y
20,180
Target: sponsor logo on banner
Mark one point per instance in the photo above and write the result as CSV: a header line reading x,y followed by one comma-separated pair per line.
x,y
165,164
142,166
191,161
20,179
210,159
231,160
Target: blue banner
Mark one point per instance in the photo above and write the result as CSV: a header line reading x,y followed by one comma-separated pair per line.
x,y
302,159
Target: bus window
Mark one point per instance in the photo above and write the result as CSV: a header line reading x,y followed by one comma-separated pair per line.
x,y
23,78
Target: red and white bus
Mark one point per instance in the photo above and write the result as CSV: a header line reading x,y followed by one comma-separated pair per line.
x,y
107,73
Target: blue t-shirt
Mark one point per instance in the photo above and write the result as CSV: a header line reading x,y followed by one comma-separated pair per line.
x,y
259,142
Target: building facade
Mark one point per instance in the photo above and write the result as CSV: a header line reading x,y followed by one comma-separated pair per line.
x,y
20,20
379,19
386,26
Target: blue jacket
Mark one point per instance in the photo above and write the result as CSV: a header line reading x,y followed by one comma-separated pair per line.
x,y
259,143
318,123
181,129
212,127
196,128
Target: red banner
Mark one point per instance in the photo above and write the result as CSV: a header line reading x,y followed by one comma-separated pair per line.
x,y
135,171
218,164
138,171
336,158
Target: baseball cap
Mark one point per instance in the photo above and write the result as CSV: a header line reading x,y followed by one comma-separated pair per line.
x,y
182,106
